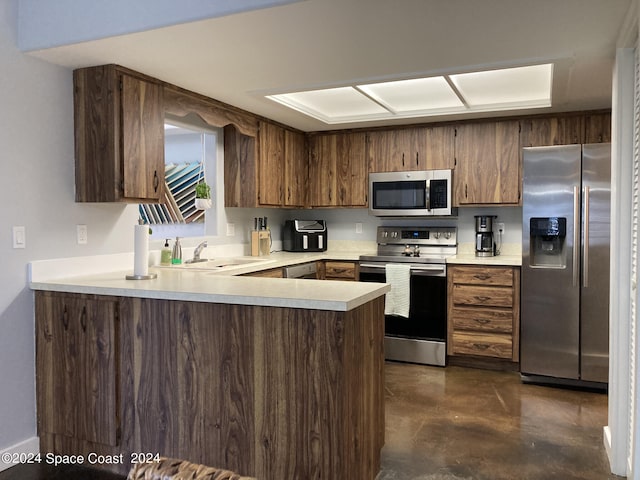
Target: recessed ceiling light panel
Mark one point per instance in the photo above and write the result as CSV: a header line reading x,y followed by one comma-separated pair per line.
x,y
332,104
520,87
492,90
433,93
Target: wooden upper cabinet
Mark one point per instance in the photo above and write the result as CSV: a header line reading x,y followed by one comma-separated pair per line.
x,y
566,130
269,171
419,148
537,132
487,164
435,147
597,128
271,163
338,170
295,169
119,136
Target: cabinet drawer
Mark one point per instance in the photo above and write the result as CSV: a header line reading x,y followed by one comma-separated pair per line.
x,y
483,276
482,319
340,270
483,296
271,273
486,345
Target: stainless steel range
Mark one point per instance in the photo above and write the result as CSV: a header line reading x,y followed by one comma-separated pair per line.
x,y
420,337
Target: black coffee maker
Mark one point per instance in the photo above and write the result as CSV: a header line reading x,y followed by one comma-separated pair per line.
x,y
485,246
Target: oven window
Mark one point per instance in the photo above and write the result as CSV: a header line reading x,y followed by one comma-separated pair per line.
x,y
428,308
406,194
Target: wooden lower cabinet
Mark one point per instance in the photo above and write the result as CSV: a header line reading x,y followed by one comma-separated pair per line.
x,y
273,393
340,270
270,273
484,311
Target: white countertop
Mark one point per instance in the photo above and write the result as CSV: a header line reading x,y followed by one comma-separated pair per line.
x,y
226,286
106,276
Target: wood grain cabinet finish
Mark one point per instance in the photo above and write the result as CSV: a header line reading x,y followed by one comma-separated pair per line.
x,y
270,273
487,168
566,129
484,311
77,367
267,171
338,170
268,392
335,270
119,136
419,148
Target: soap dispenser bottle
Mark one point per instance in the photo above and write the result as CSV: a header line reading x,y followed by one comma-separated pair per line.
x,y
176,256
165,253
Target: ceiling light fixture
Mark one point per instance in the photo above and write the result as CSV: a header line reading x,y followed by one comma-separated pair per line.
x,y
491,90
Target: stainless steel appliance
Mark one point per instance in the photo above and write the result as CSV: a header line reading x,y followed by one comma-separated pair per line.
x,y
410,194
304,236
420,338
485,246
301,270
565,264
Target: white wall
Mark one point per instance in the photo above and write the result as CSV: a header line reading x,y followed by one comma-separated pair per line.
x,y
37,191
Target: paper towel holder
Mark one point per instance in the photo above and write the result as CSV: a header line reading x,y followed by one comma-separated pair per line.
x,y
149,276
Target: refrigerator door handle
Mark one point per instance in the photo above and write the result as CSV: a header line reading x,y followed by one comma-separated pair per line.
x,y
585,246
576,234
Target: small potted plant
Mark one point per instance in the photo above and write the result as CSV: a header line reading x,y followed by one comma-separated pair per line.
x,y
203,196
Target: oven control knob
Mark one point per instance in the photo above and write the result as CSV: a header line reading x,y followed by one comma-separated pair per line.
x,y
407,251
437,235
447,235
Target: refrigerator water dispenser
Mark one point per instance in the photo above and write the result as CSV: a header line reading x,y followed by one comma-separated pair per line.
x,y
547,242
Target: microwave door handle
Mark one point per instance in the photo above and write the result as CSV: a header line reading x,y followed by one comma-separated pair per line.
x,y
427,193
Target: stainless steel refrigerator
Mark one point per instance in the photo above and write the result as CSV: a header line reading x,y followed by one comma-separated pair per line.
x,y
565,263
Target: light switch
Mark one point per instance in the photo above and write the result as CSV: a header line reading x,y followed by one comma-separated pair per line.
x,y
358,227
231,229
19,237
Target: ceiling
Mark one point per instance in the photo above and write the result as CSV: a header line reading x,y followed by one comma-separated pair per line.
x,y
313,44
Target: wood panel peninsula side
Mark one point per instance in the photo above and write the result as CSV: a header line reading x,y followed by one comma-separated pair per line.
x,y
267,391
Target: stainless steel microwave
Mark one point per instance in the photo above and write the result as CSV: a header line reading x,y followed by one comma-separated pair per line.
x,y
424,193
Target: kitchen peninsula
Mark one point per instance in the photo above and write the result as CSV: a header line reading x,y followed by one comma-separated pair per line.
x,y
273,378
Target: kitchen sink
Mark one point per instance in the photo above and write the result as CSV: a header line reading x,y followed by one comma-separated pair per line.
x,y
222,263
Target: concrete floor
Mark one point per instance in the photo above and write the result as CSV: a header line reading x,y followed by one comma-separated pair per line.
x,y
459,423
465,424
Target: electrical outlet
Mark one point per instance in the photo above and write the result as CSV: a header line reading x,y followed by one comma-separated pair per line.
x,y
19,237
81,234
358,227
231,229
500,227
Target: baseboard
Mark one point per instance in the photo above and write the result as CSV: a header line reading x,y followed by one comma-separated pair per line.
x,y
29,446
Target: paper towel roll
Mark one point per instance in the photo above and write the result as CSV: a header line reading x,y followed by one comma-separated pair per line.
x,y
141,250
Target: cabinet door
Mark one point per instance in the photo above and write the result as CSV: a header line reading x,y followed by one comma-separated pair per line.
x,y
539,132
76,367
142,139
352,170
390,150
295,169
271,163
487,164
434,147
322,173
338,170
597,128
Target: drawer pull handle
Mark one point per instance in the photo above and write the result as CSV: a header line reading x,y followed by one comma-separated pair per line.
x,y
482,298
482,276
65,318
482,321
480,346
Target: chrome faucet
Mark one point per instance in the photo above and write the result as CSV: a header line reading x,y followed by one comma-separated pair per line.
x,y
197,252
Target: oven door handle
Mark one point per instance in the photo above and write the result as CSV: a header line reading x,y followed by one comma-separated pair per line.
x,y
439,270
